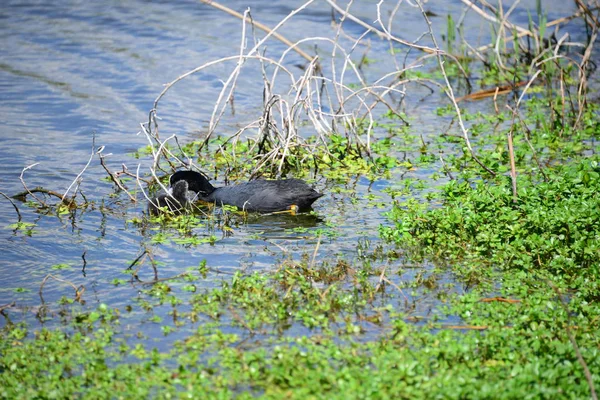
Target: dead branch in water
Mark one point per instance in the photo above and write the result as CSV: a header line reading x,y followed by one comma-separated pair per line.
x,y
79,290
112,175
263,27
14,205
450,95
22,195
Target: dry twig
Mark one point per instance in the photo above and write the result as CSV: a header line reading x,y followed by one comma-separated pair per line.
x,y
79,290
450,94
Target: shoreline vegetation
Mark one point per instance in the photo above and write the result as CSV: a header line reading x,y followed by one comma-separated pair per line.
x,y
512,214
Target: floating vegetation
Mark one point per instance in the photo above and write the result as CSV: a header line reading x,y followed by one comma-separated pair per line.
x,y
484,279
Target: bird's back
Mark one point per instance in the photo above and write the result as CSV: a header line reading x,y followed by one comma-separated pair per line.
x,y
266,196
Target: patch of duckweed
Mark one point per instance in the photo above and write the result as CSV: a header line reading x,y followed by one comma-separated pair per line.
x,y
315,296
551,226
405,362
543,137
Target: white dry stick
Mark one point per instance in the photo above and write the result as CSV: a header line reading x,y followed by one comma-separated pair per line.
x,y
83,170
379,33
289,126
213,120
210,64
156,157
284,55
338,91
139,182
388,30
257,25
531,80
504,22
450,92
528,33
25,186
393,38
582,74
491,18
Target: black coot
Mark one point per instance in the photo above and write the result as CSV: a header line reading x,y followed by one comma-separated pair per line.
x,y
254,196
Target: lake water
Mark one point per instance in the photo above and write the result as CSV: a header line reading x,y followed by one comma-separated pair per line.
x,y
73,70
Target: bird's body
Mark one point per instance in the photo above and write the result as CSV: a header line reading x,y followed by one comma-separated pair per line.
x,y
265,195
254,196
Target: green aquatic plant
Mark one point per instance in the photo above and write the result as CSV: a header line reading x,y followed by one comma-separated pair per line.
x,y
551,213
505,269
